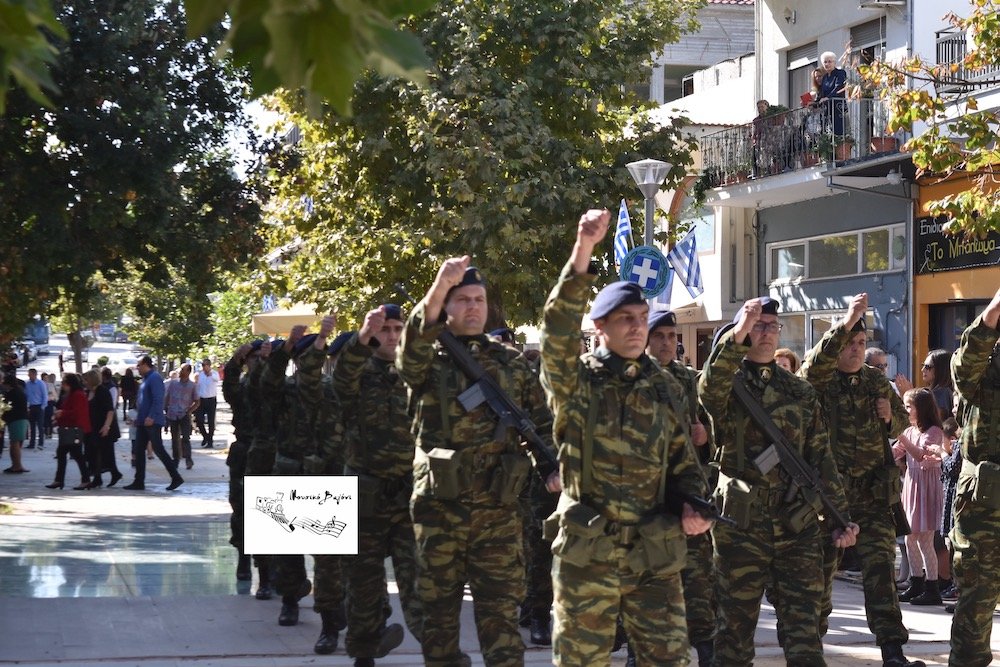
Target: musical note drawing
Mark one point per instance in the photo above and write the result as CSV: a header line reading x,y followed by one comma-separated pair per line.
x,y
272,507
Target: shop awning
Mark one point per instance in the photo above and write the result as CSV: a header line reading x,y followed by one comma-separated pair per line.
x,y
280,321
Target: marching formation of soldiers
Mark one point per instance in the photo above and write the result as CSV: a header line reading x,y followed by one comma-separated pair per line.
x,y
661,503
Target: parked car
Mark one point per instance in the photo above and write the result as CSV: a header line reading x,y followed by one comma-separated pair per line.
x,y
84,355
21,345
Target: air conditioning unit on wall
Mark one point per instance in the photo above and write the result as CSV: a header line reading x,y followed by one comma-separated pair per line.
x,y
881,4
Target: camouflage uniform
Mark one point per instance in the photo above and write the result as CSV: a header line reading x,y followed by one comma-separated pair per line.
x,y
380,450
306,416
698,574
858,439
621,447
260,451
767,550
976,531
235,387
472,537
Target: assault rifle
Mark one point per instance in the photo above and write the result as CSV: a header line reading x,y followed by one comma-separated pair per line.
x,y
484,389
782,453
706,508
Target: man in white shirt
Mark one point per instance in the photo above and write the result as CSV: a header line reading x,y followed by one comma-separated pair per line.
x,y
207,380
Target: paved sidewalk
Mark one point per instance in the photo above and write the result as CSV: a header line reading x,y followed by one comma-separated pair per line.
x,y
113,577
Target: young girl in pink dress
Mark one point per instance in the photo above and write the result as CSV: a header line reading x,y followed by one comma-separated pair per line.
x,y
923,494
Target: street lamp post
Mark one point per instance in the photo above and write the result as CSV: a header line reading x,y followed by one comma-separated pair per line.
x,y
649,176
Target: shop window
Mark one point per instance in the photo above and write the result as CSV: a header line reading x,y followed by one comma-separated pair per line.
x,y
833,256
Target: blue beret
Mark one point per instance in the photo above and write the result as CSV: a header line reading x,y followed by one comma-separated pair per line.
x,y
615,296
506,334
721,332
860,325
277,342
256,344
662,318
339,342
768,306
393,312
472,277
303,344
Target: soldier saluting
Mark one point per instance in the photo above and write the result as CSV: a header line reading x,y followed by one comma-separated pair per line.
x,y
777,539
862,410
466,474
623,447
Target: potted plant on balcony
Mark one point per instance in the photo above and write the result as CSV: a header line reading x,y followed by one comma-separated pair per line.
x,y
882,139
830,147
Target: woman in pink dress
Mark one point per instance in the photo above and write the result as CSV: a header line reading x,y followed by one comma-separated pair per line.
x,y
922,445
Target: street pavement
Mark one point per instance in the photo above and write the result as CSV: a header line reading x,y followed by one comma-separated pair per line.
x,y
116,577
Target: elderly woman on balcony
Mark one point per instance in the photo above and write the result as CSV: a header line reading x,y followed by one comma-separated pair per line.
x,y
832,89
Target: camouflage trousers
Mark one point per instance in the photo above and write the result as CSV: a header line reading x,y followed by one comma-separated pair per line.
x,y
699,589
538,551
589,599
768,553
327,588
976,536
390,531
458,543
259,461
237,463
876,547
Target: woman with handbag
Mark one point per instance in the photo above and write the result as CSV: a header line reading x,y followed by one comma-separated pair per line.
x,y
100,443
73,419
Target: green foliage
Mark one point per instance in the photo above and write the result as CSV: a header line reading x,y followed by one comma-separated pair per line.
x,y
960,139
103,360
168,321
231,318
523,127
25,51
130,172
320,47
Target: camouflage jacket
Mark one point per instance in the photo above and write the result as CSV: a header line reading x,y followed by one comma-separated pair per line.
x,y
858,437
235,389
379,441
439,420
793,406
975,367
637,431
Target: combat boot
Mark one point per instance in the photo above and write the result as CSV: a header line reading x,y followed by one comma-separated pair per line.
x,y
289,610
915,589
892,656
392,637
327,642
264,586
706,651
630,659
243,570
539,628
364,662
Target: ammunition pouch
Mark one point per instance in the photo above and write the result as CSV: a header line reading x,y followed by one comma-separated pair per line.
x,y
285,465
803,511
986,488
660,546
735,499
510,478
581,538
445,466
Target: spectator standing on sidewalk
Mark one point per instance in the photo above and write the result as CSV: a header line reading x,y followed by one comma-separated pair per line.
x,y
181,402
38,397
15,419
130,389
150,419
53,397
207,380
73,419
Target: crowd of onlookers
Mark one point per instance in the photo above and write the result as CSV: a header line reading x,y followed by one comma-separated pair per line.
x,y
79,412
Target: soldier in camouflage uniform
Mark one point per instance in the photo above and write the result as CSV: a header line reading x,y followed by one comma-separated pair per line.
x,y
260,454
309,442
623,448
380,452
465,480
862,411
767,546
236,390
698,574
976,531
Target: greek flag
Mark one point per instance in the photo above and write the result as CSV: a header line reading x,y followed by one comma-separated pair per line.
x,y
663,298
684,258
623,234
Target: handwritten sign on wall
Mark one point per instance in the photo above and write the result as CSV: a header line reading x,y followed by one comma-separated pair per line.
x,y
300,514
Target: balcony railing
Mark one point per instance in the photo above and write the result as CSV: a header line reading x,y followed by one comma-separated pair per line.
x,y
952,47
835,132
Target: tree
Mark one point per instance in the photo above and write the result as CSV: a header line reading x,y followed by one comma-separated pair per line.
x,y
320,47
960,139
25,51
129,175
524,125
230,319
